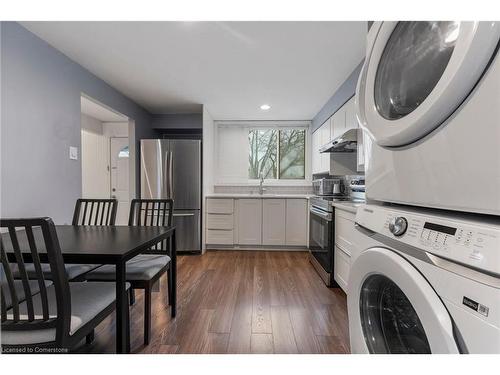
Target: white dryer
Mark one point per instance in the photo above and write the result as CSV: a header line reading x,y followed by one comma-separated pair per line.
x,y
428,98
425,283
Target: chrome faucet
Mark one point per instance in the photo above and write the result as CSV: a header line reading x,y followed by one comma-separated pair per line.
x,y
261,188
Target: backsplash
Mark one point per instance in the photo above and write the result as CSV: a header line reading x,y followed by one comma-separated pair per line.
x,y
225,189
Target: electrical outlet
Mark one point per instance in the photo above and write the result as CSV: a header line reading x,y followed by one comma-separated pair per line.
x,y
73,153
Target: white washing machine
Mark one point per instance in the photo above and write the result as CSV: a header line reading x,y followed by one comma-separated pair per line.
x,y
428,98
424,283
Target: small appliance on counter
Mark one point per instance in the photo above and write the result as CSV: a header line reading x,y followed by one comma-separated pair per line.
x,y
322,220
328,187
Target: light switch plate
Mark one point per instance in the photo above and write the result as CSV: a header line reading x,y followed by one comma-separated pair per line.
x,y
73,153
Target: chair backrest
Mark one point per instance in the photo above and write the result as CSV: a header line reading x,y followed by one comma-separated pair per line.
x,y
152,212
95,212
24,240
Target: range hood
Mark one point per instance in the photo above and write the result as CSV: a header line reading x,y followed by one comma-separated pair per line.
x,y
347,142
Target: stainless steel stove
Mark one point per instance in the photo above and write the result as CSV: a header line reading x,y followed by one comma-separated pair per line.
x,y
322,227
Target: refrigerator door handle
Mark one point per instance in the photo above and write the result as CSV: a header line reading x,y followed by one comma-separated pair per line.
x,y
165,177
171,175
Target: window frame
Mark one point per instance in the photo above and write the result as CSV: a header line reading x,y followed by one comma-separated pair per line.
x,y
278,150
283,125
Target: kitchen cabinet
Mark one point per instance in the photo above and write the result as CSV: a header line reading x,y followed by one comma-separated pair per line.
x,y
351,122
256,221
249,221
346,246
338,123
296,222
273,221
316,144
219,222
325,138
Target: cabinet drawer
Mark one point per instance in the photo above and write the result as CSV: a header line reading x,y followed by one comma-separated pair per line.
x,y
220,221
345,234
342,267
219,237
219,206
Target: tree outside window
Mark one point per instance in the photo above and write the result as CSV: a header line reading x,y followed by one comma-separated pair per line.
x,y
276,154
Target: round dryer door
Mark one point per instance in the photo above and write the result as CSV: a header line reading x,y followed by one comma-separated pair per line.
x,y
417,73
393,309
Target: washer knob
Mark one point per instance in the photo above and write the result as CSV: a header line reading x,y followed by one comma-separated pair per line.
x,y
398,226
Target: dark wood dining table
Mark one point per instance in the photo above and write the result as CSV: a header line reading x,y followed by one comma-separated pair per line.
x,y
110,245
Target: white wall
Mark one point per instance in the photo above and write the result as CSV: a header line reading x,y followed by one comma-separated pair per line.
x,y
208,172
95,156
208,152
231,152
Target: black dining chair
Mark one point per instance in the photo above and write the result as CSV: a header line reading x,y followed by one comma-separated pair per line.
x,y
144,270
53,314
87,212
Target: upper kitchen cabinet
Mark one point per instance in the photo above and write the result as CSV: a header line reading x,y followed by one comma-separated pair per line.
x,y
338,122
325,138
316,144
351,122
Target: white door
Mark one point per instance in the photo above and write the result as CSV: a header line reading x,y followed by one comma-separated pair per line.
x,y
249,221
393,309
273,222
120,177
417,73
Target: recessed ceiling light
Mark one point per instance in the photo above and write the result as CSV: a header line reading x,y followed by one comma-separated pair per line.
x,y
265,107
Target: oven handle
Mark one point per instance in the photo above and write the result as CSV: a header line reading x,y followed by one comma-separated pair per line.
x,y
324,215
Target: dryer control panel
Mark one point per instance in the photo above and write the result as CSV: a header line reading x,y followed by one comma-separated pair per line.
x,y
466,241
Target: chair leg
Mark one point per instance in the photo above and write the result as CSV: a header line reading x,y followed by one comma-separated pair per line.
x,y
131,296
90,338
127,330
147,314
169,288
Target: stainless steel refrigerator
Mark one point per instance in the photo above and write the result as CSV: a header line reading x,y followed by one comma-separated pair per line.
x,y
171,168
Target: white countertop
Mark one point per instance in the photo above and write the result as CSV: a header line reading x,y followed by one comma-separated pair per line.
x,y
259,196
347,206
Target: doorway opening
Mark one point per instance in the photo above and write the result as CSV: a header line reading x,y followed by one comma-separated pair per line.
x,y
108,155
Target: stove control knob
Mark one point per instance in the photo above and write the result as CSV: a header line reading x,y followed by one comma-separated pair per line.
x,y
398,226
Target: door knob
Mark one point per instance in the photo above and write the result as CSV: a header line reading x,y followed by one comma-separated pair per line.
x,y
113,189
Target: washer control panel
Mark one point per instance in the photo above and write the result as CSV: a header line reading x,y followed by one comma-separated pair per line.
x,y
465,241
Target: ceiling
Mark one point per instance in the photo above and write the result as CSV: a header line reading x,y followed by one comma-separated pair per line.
x,y
230,67
100,112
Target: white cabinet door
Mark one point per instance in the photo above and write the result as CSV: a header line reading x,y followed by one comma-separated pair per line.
x,y
325,138
338,122
296,222
249,221
273,221
351,122
342,268
316,144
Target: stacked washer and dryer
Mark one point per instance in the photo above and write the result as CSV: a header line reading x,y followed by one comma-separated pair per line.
x,y
427,276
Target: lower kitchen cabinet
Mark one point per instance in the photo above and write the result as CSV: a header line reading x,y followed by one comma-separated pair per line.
x,y
346,245
296,222
256,222
249,221
273,221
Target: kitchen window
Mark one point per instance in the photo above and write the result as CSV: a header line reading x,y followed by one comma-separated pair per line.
x,y
277,150
276,153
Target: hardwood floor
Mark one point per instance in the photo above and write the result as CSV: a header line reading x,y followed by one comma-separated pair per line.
x,y
240,302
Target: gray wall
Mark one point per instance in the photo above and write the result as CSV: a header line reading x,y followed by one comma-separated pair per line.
x,y
342,95
178,121
40,119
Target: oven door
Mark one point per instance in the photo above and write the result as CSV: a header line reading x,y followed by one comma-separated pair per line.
x,y
321,237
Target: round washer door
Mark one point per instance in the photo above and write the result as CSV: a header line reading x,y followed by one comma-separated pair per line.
x,y
417,73
393,309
